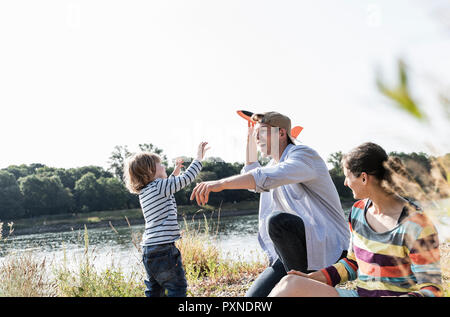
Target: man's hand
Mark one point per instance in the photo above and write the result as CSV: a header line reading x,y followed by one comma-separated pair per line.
x,y
202,190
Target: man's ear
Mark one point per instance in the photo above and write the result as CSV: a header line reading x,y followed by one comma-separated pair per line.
x,y
283,133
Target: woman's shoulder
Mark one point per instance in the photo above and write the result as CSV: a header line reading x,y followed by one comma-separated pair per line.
x,y
418,218
360,204
357,209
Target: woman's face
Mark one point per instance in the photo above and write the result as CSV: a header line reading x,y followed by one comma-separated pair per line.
x,y
356,184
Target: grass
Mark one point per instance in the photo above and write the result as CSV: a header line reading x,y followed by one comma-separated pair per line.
x,y
210,275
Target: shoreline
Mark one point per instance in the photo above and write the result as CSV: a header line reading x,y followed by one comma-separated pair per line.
x,y
120,223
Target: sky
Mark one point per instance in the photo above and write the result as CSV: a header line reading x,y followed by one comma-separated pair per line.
x,y
80,77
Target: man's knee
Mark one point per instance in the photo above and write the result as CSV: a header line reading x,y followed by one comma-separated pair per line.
x,y
279,222
275,220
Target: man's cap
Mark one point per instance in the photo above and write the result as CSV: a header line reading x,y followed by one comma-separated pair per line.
x,y
272,118
275,119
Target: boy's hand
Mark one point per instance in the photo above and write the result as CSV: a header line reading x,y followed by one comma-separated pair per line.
x,y
178,165
202,150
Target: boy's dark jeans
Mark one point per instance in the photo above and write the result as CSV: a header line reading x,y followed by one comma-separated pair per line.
x,y
287,233
164,271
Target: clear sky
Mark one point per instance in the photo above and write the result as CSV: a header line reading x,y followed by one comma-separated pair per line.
x,y
79,77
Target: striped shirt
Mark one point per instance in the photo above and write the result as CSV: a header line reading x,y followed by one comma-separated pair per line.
x,y
402,261
159,206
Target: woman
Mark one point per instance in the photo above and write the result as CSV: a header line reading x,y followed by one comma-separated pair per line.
x,y
394,247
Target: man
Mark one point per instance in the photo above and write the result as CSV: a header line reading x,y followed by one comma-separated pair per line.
x,y
301,222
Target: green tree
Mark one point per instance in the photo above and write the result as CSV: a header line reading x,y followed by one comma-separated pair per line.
x,y
335,160
148,147
67,178
338,177
11,199
117,161
120,154
114,195
23,170
45,195
88,193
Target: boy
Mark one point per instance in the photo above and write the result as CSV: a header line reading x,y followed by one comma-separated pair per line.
x,y
146,176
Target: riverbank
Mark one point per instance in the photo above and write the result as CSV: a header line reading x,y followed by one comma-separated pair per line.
x,y
119,218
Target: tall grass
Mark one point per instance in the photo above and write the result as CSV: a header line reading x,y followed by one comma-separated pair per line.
x,y
87,281
207,272
25,276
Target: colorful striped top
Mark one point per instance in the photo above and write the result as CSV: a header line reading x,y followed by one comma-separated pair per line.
x,y
402,261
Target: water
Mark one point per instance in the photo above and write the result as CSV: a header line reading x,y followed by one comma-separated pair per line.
x,y
236,237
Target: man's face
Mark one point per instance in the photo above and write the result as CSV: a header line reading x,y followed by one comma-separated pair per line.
x,y
267,139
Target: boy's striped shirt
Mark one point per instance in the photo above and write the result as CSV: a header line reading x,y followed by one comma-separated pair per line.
x,y
402,261
159,206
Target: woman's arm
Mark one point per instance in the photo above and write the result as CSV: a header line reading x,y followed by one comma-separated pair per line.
x,y
425,261
344,270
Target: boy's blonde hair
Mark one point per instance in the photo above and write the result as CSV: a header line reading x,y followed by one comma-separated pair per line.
x,y
140,170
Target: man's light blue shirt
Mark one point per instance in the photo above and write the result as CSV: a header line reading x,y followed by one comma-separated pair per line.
x,y
300,184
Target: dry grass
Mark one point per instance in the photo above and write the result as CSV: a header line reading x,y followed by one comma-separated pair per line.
x,y
25,276
207,273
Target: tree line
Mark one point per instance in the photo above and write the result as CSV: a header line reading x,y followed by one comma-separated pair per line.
x,y
36,189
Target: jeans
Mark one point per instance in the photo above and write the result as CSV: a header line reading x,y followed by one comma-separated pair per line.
x,y
164,271
287,233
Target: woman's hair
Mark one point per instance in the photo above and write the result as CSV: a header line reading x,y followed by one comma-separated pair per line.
x,y
389,170
140,170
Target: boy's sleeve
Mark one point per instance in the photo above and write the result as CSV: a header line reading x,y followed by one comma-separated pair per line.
x,y
344,270
297,168
425,261
173,183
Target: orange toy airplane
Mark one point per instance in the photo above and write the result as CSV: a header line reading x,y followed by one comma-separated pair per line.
x,y
247,115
